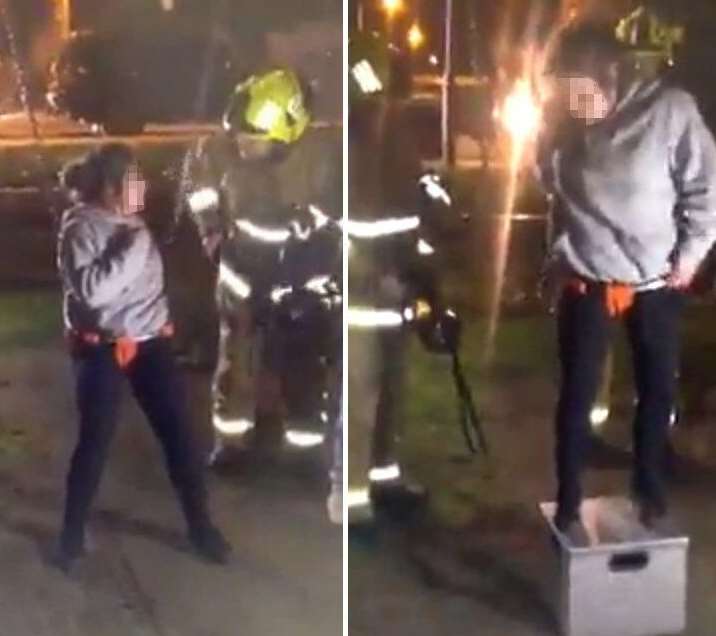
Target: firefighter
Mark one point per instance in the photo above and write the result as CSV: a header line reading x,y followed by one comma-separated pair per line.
x,y
383,249
633,174
257,190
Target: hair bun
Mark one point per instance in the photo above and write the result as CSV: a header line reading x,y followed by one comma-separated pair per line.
x,y
74,176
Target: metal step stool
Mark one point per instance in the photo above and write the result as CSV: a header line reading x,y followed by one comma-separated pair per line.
x,y
625,580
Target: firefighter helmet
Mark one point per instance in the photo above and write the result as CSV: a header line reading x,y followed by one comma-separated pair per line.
x,y
272,105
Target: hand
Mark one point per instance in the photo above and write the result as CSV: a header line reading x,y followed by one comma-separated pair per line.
x,y
211,243
680,278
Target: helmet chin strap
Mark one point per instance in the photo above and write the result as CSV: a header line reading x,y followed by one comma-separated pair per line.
x,y
254,146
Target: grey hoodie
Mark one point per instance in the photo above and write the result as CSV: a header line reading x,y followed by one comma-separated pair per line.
x,y
635,194
112,274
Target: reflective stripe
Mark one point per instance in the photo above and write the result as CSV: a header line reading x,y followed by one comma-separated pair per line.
x,y
366,77
598,415
304,439
381,227
202,200
434,189
278,293
264,234
318,284
384,473
425,248
239,426
366,318
234,282
319,217
358,497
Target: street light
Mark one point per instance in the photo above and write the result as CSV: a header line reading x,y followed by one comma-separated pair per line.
x,y
391,7
416,37
448,145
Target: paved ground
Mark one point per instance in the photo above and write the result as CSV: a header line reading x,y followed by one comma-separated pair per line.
x,y
142,579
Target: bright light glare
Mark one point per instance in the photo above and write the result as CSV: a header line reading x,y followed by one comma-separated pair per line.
x,y
392,7
520,113
416,37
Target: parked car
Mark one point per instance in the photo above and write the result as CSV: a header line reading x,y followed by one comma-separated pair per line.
x,y
122,81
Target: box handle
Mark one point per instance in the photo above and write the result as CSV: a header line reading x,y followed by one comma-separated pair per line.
x,y
628,561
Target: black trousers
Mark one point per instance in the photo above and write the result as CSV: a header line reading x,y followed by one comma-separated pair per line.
x,y
158,387
584,331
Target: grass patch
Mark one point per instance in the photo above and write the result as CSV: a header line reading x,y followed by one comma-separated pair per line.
x,y
29,318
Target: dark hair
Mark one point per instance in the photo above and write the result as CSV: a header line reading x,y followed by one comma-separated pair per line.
x,y
105,167
587,49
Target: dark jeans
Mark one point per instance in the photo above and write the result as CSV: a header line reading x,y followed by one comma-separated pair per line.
x,y
158,387
584,331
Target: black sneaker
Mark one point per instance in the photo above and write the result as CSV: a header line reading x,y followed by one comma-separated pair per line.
x,y
571,527
398,499
211,545
651,513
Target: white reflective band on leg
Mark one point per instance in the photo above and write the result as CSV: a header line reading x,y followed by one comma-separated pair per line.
x,y
203,200
264,234
381,227
304,439
598,415
385,473
366,318
358,497
235,282
239,426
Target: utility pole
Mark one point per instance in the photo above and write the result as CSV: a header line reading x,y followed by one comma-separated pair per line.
x,y
360,16
448,143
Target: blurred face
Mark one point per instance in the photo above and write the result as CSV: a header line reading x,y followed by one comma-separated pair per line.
x,y
585,99
133,191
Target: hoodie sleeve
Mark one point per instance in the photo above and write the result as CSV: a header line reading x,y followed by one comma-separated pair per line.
x,y
693,169
97,274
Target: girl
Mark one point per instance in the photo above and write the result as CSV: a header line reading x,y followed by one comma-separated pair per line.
x,y
117,321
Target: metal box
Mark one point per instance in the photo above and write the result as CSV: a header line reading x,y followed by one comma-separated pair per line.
x,y
624,580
